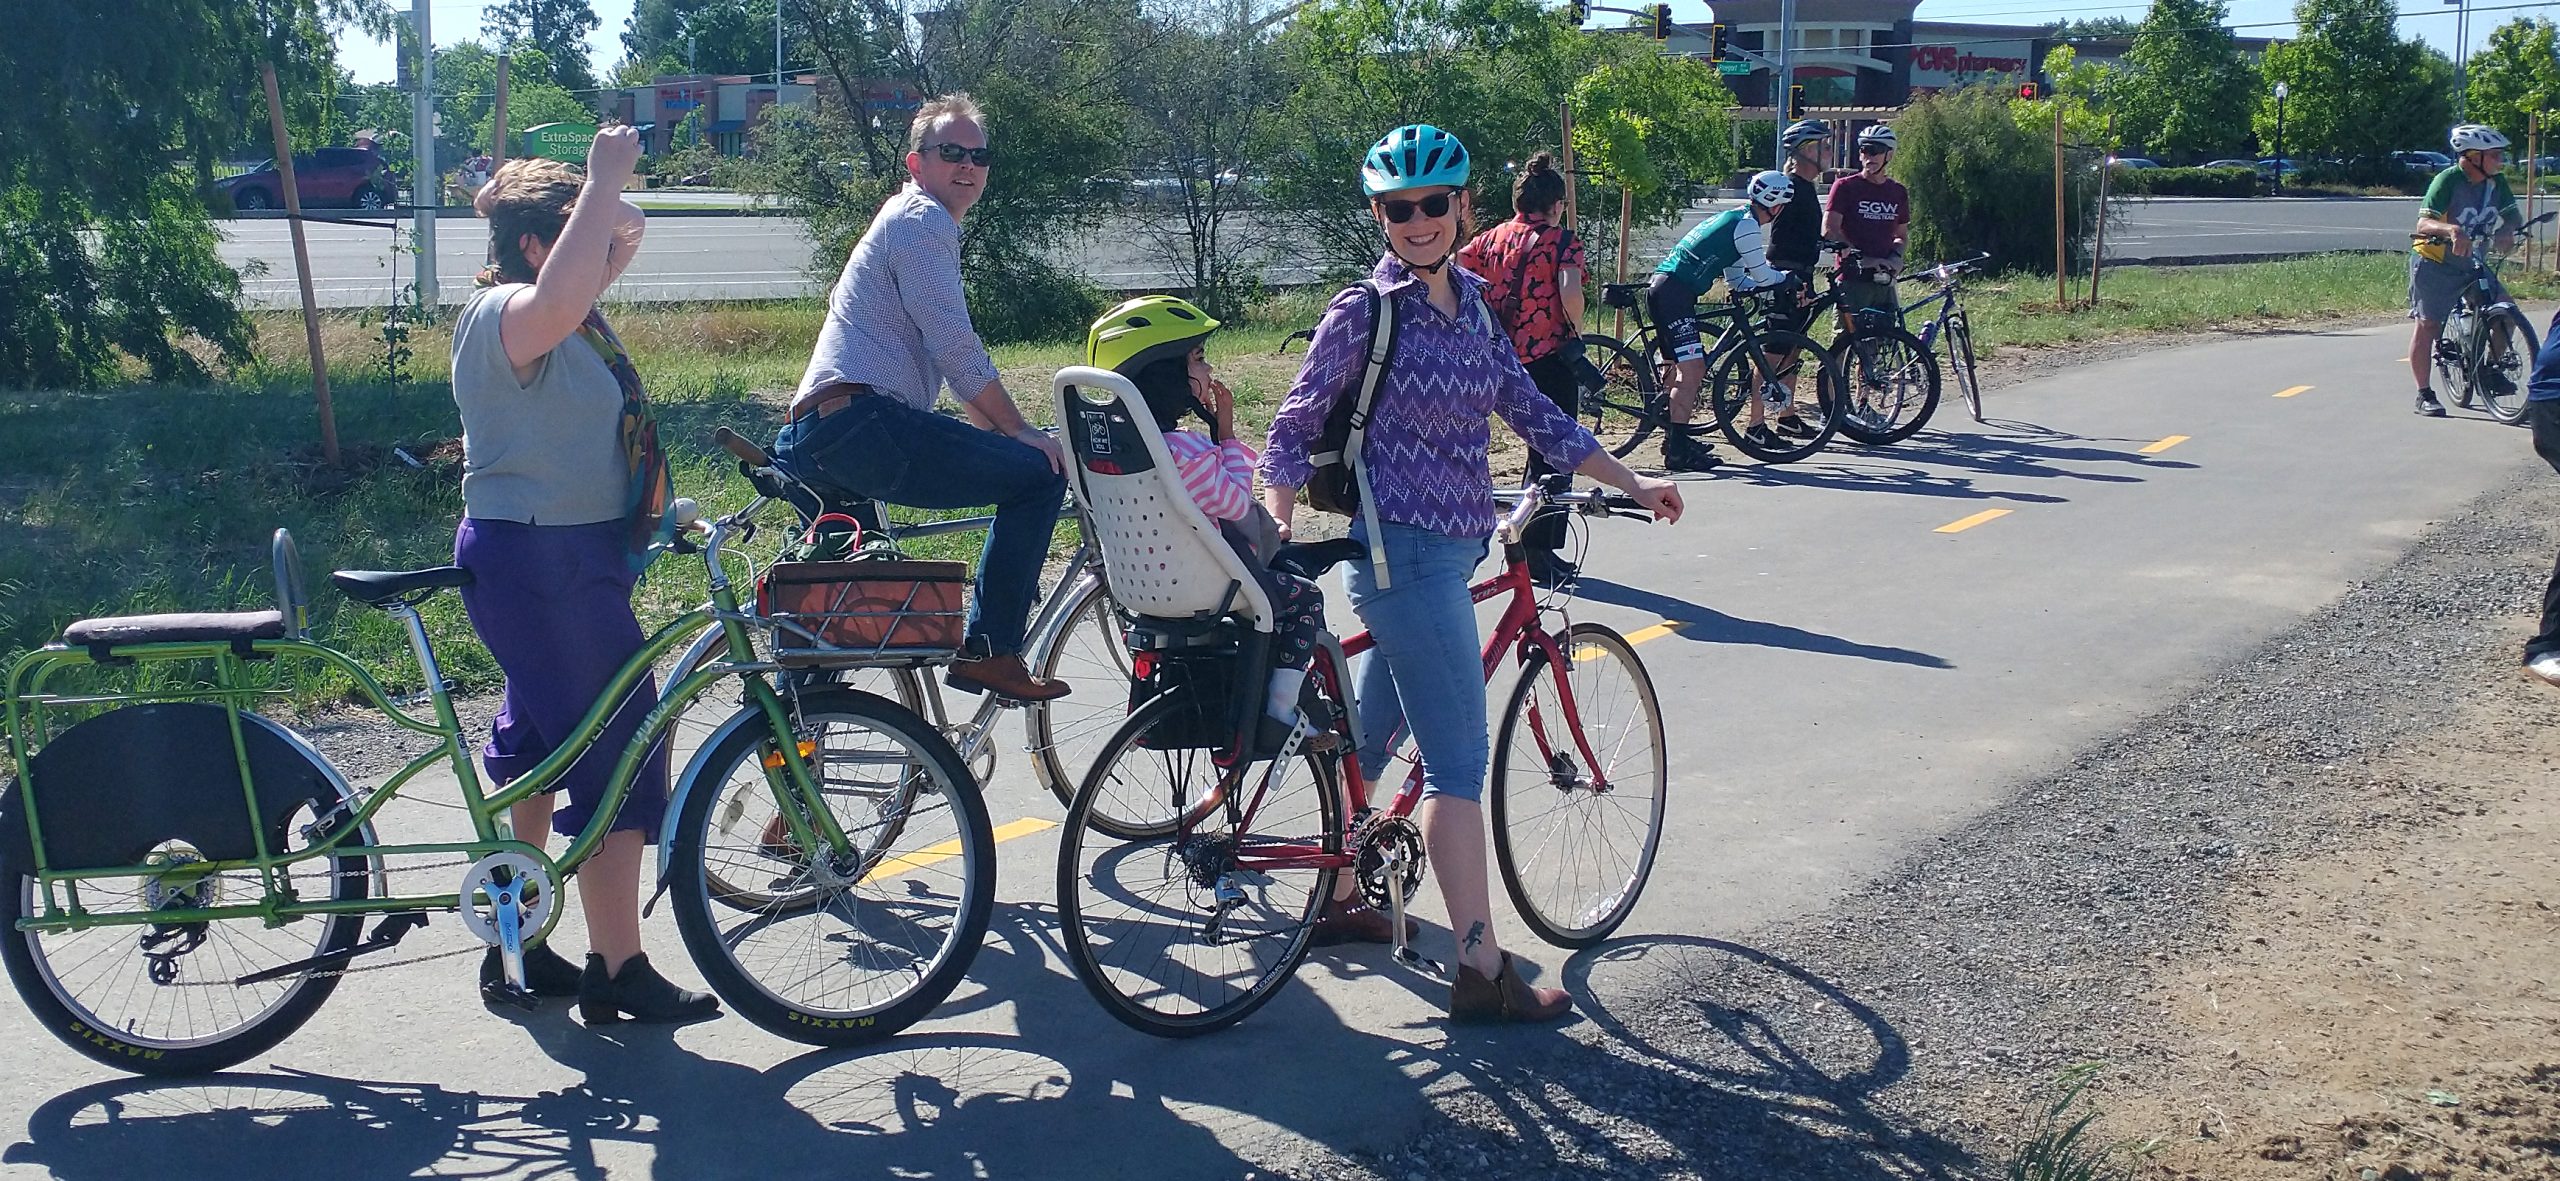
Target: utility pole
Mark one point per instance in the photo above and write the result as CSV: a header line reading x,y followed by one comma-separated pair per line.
x,y
1785,87
427,188
2461,58
498,149
777,51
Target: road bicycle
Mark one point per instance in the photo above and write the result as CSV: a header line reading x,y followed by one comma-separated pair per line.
x,y
1074,637
1191,930
182,878
1888,378
1949,327
1634,396
2488,345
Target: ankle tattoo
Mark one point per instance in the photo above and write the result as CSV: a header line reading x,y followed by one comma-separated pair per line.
x,y
1475,935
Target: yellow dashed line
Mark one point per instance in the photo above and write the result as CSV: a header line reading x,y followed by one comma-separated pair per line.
x,y
2164,444
1656,632
2291,392
1986,515
947,850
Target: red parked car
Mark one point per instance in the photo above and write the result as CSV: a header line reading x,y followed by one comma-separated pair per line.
x,y
328,176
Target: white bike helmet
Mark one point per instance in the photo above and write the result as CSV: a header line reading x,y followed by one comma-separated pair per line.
x,y
1878,134
1770,189
2476,137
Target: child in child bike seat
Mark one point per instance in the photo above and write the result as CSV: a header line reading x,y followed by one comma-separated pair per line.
x,y
1157,342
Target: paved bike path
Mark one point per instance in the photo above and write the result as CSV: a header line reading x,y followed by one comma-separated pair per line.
x,y
1846,681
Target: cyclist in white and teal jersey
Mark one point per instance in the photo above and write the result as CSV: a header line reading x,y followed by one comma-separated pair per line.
x,y
1728,247
2466,203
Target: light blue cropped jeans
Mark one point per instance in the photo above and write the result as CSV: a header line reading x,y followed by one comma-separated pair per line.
x,y
1427,670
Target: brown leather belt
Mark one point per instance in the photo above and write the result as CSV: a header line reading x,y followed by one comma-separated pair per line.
x,y
828,399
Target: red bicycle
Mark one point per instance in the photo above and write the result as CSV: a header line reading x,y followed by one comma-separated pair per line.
x,y
1191,923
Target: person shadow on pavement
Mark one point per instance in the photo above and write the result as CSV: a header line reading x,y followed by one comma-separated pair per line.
x,y
1706,625
1067,1093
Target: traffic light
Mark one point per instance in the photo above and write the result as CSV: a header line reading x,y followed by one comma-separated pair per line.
x,y
1577,11
1715,42
2028,91
1661,22
1795,102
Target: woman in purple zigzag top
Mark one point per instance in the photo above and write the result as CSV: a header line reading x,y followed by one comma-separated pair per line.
x,y
1452,368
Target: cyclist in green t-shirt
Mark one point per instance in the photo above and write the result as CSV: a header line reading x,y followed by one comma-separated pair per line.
x,y
1728,247
2466,203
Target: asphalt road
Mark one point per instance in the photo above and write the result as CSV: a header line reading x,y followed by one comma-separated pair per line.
x,y
761,258
1862,653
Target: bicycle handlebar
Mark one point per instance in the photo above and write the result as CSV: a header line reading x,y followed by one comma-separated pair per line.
x,y
1948,270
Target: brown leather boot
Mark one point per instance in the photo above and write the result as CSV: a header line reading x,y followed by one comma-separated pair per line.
x,y
1504,998
1350,920
1003,676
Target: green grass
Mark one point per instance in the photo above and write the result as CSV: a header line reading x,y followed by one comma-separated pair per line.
x,y
157,498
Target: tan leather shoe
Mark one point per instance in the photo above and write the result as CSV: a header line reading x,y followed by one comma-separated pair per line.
x,y
1350,920
1505,998
1003,676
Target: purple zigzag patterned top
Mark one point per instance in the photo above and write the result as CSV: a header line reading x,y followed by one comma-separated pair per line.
x,y
1428,433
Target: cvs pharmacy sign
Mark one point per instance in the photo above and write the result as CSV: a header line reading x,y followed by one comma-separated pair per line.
x,y
1936,66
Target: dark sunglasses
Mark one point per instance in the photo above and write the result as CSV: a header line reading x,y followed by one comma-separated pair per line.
x,y
954,153
1401,211
1873,149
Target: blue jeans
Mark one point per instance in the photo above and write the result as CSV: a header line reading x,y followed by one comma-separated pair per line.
x,y
1427,670
891,452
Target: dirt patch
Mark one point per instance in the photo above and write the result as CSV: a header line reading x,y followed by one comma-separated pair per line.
x,y
2390,1011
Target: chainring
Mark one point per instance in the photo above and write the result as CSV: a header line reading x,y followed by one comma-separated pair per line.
x,y
1388,847
538,894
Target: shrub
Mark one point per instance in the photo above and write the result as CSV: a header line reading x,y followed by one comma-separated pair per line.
x,y
1979,182
2381,172
2186,182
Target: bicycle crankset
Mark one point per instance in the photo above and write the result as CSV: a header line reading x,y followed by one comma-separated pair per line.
x,y
1389,847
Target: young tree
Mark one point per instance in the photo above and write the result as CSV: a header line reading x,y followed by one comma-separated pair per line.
x,y
558,28
2186,88
724,37
1982,180
1657,126
1203,90
2357,90
2518,73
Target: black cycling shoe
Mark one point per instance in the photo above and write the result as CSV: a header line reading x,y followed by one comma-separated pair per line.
x,y
1761,436
2495,382
2428,406
1794,427
1682,452
546,973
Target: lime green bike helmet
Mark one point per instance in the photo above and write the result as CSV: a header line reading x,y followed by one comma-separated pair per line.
x,y
1132,338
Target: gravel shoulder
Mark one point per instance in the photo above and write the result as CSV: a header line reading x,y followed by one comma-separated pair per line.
x,y
1914,1029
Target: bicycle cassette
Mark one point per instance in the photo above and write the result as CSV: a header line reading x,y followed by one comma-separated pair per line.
x,y
1390,847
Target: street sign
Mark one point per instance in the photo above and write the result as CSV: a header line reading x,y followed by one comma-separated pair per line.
x,y
1733,67
559,141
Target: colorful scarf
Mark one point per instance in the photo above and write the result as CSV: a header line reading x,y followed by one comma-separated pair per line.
x,y
644,462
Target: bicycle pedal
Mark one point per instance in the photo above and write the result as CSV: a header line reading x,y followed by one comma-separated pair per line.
x,y
499,992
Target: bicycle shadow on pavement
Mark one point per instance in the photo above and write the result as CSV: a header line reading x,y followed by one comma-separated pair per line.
x,y
2021,448
1851,475
1067,1093
1707,625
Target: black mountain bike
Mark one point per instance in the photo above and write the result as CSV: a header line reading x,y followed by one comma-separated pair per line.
x,y
1889,378
2488,345
1634,397
1949,326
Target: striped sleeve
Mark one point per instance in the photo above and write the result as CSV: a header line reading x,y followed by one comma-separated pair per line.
x,y
1218,476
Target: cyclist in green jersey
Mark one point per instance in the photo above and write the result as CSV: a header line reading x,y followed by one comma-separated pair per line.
x,y
1726,246
2465,203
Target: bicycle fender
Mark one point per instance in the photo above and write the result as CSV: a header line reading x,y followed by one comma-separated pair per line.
x,y
685,783
112,788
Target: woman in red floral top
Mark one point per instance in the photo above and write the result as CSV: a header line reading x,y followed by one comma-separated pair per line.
x,y
1532,267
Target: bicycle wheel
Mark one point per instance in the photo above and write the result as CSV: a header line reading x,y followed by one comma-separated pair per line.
x,y
1088,653
891,926
1578,793
1888,384
1189,931
1629,403
2508,346
1960,361
751,888
97,991
1736,381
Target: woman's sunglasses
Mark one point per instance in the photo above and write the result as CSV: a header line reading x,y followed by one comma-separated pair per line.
x,y
1401,211
954,153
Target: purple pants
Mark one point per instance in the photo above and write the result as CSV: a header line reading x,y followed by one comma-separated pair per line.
x,y
553,603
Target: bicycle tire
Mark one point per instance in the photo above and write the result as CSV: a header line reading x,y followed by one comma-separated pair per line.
x,y
2507,407
1089,937
1915,360
1736,380
289,1003
923,763
1630,402
1587,916
1060,752
1960,359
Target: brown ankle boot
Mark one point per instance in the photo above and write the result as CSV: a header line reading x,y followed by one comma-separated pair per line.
x,y
1504,998
1003,676
1350,920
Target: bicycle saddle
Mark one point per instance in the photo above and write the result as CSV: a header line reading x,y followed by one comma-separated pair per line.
x,y
377,587
1310,559
1621,295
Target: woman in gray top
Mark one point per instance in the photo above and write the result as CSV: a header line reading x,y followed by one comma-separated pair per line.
x,y
562,487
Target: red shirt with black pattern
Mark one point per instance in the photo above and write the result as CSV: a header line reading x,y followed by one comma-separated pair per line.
x,y
1520,261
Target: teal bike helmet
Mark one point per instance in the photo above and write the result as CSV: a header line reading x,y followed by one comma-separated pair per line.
x,y
1414,156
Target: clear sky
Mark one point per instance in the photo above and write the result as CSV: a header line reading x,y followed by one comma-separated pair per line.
x,y
459,20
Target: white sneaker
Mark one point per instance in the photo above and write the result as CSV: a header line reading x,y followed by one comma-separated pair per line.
x,y
2544,668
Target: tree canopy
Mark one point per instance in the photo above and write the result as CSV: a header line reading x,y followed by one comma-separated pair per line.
x,y
558,28
2358,90
2185,89
2516,74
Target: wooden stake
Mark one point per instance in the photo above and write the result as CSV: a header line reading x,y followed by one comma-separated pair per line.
x,y
1626,213
1564,119
2098,253
498,151
2061,272
301,266
2532,153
